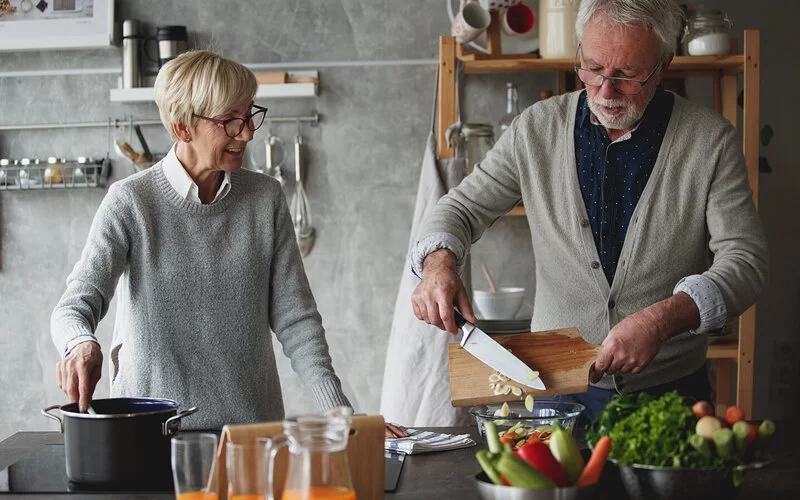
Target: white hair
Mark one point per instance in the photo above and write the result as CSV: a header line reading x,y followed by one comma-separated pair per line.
x,y
664,18
200,82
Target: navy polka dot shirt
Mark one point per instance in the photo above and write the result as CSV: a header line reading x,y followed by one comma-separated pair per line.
x,y
612,176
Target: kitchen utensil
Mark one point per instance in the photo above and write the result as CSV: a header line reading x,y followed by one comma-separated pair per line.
x,y
543,414
272,144
393,466
657,483
301,213
318,462
194,464
490,491
488,277
364,454
124,444
148,156
561,357
496,356
504,303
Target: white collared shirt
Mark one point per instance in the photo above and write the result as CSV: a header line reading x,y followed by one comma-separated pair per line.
x,y
182,182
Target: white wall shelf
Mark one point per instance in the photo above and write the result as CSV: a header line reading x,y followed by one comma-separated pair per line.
x,y
301,84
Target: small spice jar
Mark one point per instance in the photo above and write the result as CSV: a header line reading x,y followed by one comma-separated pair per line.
x,y
479,139
706,34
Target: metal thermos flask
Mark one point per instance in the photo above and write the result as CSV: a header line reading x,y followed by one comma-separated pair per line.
x,y
171,42
132,41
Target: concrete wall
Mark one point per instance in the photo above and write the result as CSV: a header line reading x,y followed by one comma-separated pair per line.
x,y
362,174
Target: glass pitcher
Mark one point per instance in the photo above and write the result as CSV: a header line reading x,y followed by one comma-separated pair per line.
x,y
317,465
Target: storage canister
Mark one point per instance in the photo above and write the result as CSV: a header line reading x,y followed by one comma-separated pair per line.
x,y
706,34
478,139
557,38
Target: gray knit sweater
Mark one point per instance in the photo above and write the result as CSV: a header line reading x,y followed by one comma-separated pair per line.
x,y
199,287
696,216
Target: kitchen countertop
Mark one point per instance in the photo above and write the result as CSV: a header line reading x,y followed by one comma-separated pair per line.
x,y
446,475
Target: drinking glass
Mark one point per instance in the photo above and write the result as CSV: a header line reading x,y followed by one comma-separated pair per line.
x,y
194,466
247,473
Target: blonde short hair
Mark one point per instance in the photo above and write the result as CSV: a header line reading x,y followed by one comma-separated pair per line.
x,y
200,82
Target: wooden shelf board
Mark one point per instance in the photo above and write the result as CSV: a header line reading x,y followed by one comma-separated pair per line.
x,y
681,64
724,349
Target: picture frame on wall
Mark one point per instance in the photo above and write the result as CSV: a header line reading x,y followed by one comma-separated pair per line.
x,y
55,24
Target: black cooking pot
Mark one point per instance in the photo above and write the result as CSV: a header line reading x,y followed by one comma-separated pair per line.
x,y
124,444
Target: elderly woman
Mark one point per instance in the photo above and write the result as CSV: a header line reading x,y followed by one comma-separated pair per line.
x,y
204,259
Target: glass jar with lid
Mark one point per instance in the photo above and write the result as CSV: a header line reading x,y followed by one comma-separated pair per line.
x,y
706,34
478,139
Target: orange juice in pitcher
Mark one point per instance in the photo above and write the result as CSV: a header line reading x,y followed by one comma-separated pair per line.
x,y
317,465
320,493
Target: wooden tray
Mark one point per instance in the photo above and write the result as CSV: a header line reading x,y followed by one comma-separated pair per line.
x,y
561,357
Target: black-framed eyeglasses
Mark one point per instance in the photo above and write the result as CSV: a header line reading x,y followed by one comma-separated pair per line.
x,y
621,84
234,126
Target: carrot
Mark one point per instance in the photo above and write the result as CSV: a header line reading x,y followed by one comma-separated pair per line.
x,y
594,467
733,414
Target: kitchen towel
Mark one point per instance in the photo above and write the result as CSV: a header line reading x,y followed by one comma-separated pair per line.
x,y
426,441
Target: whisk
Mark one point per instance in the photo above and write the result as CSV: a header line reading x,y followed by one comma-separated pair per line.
x,y
301,213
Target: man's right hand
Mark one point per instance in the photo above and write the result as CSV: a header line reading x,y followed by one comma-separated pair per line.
x,y
441,288
78,373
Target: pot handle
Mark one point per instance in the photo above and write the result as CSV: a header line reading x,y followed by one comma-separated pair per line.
x,y
46,413
173,424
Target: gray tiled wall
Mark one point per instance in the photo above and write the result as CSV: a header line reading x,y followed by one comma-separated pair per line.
x,y
362,175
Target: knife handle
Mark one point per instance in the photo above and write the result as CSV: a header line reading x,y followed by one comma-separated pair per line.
x,y
460,321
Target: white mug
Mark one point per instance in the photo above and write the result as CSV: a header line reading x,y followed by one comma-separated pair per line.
x,y
517,20
470,22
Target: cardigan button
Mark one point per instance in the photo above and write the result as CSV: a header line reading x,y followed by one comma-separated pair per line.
x,y
611,304
595,265
585,223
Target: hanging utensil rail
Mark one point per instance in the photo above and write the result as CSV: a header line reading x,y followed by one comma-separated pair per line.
x,y
121,122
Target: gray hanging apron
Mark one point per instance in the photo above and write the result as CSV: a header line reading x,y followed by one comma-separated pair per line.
x,y
416,385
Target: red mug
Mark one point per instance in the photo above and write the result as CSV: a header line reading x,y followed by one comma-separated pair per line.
x,y
517,20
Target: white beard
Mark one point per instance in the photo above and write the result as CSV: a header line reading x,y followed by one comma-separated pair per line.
x,y
629,117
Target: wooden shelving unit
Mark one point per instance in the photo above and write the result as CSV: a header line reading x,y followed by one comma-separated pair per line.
x,y
723,71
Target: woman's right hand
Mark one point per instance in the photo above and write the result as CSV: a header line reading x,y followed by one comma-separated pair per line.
x,y
441,288
78,373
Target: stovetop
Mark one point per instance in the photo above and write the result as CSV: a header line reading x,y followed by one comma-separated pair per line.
x,y
43,470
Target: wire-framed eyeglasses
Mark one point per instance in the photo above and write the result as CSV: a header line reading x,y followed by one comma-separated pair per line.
x,y
234,126
621,84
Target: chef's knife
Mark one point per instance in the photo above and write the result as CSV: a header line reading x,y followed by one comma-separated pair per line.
x,y
483,347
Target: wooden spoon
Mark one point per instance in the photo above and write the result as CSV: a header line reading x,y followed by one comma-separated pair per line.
x,y
488,278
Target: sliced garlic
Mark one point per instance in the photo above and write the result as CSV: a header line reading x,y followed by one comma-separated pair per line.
x,y
498,390
533,375
516,391
504,410
529,403
506,389
494,377
503,377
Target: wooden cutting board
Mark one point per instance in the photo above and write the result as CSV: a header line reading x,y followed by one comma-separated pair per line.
x,y
561,357
364,454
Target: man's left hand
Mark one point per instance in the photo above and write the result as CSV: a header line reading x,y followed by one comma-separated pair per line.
x,y
633,343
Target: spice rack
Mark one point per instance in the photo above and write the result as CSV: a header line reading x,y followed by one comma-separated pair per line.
x,y
25,174
724,72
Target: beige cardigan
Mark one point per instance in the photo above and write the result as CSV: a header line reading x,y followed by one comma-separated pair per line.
x,y
696,216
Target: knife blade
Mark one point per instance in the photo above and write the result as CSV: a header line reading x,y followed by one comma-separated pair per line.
x,y
483,347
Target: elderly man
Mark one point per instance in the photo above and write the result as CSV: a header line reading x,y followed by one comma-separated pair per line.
x,y
644,231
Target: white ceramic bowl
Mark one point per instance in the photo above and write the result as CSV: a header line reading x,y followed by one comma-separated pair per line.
x,y
505,303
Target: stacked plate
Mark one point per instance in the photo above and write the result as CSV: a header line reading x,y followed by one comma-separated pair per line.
x,y
505,326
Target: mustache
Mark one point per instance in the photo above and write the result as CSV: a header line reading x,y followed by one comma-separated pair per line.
x,y
609,103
